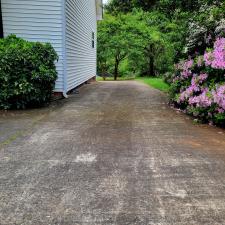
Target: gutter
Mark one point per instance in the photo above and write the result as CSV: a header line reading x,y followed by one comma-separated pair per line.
x,y
1,22
64,49
99,9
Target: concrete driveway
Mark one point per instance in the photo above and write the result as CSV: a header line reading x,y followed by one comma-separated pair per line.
x,y
114,154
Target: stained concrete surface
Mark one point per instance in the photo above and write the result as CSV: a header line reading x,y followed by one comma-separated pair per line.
x,y
114,154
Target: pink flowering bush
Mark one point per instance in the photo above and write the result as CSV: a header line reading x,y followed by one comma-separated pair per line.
x,y
216,58
198,85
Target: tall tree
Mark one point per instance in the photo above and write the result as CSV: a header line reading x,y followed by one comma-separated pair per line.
x,y
136,38
112,44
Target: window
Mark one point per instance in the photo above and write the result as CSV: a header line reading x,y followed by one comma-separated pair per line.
x,y
93,39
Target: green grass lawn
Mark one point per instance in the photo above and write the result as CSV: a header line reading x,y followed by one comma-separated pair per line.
x,y
157,83
112,79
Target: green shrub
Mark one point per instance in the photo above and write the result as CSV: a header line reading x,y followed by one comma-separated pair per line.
x,y
27,73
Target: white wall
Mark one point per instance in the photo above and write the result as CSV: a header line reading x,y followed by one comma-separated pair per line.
x,y
81,57
36,20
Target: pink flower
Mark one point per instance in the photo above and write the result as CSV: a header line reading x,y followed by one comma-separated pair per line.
x,y
186,94
220,110
186,74
201,100
202,77
216,58
185,68
219,96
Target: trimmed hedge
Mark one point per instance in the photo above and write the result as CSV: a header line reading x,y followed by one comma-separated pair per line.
x,y
27,73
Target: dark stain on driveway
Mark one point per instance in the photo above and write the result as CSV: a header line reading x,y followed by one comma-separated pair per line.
x,y
115,154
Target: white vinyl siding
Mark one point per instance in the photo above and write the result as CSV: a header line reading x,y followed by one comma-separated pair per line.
x,y
81,57
37,20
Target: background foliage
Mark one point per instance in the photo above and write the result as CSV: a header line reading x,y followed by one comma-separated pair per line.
x,y
149,36
141,35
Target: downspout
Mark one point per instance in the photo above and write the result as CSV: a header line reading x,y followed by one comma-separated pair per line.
x,y
102,10
64,49
1,22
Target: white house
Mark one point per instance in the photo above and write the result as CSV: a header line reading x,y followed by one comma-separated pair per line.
x,y
69,25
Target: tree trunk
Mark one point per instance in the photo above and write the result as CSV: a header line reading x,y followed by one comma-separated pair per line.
x,y
151,70
116,69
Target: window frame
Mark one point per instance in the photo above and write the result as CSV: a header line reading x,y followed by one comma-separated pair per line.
x,y
93,39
